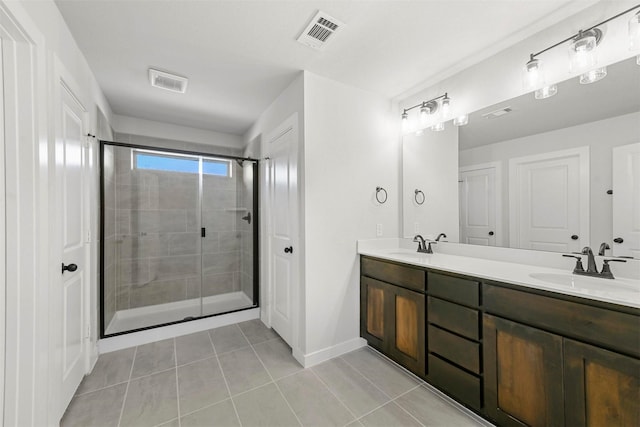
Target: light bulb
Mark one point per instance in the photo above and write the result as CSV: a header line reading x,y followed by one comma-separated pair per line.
x,y
634,32
446,106
461,120
438,127
593,75
533,76
424,113
546,92
582,53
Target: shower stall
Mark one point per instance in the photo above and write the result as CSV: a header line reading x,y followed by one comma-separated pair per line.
x,y
179,236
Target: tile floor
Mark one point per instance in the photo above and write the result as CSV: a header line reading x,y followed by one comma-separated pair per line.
x,y
244,375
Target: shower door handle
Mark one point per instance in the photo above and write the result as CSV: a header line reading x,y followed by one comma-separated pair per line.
x,y
288,250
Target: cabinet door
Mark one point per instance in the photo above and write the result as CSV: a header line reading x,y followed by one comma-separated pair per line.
x,y
602,387
523,374
376,301
407,318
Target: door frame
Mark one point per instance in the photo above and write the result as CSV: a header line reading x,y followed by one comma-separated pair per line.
x,y
297,291
25,198
497,187
583,158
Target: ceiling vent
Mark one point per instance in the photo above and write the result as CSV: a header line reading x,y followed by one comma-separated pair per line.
x,y
497,113
167,81
321,29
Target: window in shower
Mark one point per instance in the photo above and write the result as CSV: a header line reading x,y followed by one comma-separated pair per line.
x,y
178,235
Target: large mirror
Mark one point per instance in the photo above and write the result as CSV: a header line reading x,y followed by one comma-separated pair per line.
x,y
555,174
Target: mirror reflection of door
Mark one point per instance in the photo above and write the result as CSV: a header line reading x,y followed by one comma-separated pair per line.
x,y
480,204
549,201
626,200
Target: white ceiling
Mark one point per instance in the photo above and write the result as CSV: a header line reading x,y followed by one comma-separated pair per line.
x,y
239,55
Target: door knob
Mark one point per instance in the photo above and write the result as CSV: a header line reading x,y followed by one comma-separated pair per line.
x,y
491,233
618,240
70,267
288,250
574,237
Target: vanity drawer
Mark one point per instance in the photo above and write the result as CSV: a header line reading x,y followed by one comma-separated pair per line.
x,y
456,289
456,349
407,277
605,327
460,384
454,317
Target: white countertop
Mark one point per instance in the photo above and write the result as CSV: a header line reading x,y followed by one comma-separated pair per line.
x,y
622,291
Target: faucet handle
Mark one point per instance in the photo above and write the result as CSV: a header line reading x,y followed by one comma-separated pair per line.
x,y
579,267
606,270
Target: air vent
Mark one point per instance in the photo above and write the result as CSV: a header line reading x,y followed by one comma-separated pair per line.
x,y
167,81
497,113
321,29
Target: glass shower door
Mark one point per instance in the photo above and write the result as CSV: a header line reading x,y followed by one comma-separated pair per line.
x,y
152,260
228,221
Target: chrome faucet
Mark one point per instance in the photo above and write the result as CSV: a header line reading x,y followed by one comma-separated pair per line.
x,y
423,246
440,235
603,247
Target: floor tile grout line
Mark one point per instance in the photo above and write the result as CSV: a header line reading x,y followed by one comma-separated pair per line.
x,y
186,414
365,377
99,389
224,377
403,408
126,391
271,376
175,356
355,417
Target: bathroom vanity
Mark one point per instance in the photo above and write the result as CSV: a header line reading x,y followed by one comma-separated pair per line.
x,y
513,351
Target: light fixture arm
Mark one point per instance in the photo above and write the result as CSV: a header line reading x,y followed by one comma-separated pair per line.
x,y
533,55
426,102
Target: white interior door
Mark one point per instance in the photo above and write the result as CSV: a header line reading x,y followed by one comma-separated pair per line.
x,y
626,200
549,201
283,233
70,299
479,197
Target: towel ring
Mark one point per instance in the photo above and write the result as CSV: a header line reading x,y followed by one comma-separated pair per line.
x,y
378,190
419,200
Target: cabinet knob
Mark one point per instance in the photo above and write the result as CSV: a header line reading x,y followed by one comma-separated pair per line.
x,y
618,240
574,237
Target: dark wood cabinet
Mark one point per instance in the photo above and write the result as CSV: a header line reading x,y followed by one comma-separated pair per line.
x,y
523,374
602,388
515,355
393,321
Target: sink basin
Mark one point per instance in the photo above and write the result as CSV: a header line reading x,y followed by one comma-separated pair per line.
x,y
583,282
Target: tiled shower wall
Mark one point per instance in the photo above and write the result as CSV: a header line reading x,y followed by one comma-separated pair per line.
x,y
157,256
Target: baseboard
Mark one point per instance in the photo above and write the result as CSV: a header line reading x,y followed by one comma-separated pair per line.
x,y
107,345
317,357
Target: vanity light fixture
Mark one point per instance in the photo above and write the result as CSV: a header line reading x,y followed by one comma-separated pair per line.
x,y
582,56
427,109
446,107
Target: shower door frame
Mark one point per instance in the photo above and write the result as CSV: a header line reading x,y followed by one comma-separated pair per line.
x,y
255,230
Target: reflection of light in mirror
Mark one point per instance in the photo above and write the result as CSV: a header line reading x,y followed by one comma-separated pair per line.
x,y
546,92
461,120
581,52
438,127
533,76
634,32
593,76
419,132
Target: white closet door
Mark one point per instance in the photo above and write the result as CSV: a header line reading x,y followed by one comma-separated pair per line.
x,y
479,205
549,201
